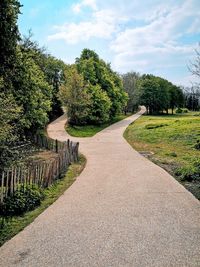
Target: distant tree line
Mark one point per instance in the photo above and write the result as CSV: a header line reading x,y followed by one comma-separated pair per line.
x,y
158,95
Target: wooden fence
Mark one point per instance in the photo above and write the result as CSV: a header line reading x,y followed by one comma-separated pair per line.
x,y
42,173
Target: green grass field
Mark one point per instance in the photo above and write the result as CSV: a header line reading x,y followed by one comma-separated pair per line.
x,y
91,130
172,140
12,226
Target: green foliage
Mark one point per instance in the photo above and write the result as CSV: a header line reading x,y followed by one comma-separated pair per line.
x,y
9,115
151,94
50,66
130,80
9,10
96,72
23,200
179,110
190,171
75,97
10,226
172,146
197,145
32,92
100,105
157,94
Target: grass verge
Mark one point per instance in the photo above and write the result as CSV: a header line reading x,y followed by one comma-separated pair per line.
x,y
91,130
14,225
171,141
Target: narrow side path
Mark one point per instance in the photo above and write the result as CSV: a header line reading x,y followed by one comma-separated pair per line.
x,y
123,210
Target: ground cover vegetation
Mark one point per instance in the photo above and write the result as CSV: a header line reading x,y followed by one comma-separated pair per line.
x,y
171,142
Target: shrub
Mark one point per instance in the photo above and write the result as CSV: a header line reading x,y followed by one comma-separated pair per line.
x,y
172,154
24,199
197,145
190,172
179,110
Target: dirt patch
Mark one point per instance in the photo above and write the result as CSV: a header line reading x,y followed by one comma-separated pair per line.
x,y
42,156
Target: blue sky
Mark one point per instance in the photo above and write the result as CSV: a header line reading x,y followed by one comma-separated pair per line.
x,y
149,36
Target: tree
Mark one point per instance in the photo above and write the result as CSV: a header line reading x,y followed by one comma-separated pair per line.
x,y
176,97
192,98
195,66
52,68
74,96
96,72
100,105
9,37
130,86
31,91
9,114
149,88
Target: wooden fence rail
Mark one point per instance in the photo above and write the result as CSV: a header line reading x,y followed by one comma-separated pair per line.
x,y
43,173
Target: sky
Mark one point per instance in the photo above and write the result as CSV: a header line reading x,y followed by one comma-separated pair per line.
x,y
148,36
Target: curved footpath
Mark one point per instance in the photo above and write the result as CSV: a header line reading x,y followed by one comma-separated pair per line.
x,y
123,210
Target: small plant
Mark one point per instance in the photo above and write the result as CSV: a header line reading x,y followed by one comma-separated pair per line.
x,y
197,145
173,154
190,172
179,110
24,199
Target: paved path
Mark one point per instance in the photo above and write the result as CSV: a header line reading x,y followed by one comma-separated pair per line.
x,y
122,211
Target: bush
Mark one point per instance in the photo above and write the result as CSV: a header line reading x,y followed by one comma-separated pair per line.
x,y
190,172
21,201
179,110
197,145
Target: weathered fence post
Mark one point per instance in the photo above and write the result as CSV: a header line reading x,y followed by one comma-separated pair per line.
x,y
56,146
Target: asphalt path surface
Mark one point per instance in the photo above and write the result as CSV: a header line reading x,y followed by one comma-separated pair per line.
x,y
122,210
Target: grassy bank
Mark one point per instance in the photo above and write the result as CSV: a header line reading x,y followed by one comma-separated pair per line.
x,y
14,225
91,130
171,142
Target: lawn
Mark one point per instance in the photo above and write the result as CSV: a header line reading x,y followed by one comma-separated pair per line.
x,y
14,225
172,141
91,130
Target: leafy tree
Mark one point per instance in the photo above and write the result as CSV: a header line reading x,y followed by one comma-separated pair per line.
x,y
130,86
32,92
9,11
9,114
158,94
100,105
176,97
149,93
96,72
73,94
192,98
195,66
52,68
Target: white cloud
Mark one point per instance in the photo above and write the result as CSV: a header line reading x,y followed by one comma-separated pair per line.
x,y
102,24
84,3
150,36
156,43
